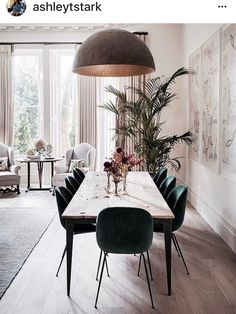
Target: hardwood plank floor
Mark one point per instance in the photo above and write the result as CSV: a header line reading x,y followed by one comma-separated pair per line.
x,y
210,288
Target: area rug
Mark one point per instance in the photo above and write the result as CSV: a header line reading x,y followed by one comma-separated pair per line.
x,y
20,231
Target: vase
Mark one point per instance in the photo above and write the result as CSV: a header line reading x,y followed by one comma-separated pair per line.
x,y
116,187
108,182
125,181
116,181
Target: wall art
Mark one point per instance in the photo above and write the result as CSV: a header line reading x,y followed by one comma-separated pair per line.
x,y
195,102
228,100
210,101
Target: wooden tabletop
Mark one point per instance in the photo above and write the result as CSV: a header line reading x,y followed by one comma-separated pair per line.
x,y
92,196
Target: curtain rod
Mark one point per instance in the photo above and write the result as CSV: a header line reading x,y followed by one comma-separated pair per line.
x,y
58,43
42,43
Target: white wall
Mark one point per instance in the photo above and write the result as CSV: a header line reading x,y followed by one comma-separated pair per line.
x,y
211,194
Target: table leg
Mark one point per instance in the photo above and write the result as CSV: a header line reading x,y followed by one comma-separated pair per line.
x,y
52,173
40,173
28,177
69,248
167,234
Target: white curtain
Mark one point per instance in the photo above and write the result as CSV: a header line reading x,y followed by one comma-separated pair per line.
x,y
6,102
95,125
87,110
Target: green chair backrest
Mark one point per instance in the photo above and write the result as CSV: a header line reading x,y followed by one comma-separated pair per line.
x,y
65,193
71,184
77,176
61,204
160,176
177,200
124,230
80,172
167,186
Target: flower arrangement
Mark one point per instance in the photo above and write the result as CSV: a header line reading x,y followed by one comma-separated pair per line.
x,y
118,166
40,148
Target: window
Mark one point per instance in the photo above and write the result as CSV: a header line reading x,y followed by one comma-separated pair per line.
x,y
27,98
44,97
63,86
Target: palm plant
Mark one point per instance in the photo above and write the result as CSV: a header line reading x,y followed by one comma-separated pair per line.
x,y
139,120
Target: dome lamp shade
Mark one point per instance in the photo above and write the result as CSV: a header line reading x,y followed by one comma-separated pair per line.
x,y
113,53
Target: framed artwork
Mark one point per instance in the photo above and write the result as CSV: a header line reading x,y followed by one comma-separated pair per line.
x,y
228,101
195,102
210,102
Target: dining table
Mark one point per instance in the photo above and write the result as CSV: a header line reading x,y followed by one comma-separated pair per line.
x,y
94,195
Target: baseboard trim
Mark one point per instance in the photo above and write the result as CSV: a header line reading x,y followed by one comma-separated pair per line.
x,y
222,226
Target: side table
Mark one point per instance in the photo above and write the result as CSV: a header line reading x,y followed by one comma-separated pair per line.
x,y
40,163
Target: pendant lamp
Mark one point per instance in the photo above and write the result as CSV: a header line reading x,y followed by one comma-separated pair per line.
x,y
113,52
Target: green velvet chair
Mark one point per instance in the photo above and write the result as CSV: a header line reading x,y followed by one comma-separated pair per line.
x,y
80,173
160,176
72,184
66,194
77,176
124,230
167,185
63,197
177,202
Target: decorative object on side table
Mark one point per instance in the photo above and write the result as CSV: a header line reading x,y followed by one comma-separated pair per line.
x,y
118,166
40,149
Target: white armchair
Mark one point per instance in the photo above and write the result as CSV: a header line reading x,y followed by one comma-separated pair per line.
x,y
83,151
9,178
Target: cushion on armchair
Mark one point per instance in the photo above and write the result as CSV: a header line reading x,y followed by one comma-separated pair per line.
x,y
3,163
76,163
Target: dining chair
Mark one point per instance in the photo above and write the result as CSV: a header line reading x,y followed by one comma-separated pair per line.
x,y
77,176
124,230
167,185
160,176
72,184
176,200
63,197
66,194
80,173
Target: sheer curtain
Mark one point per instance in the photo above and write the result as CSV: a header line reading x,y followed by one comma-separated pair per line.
x,y
95,125
6,103
87,110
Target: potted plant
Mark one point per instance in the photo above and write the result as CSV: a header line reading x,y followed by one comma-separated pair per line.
x,y
140,120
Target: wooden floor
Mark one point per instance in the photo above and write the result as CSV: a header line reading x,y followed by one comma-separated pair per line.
x,y
210,288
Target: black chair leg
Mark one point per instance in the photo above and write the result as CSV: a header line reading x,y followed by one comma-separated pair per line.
x,y
149,265
62,257
99,263
180,252
176,247
108,275
149,287
139,265
100,280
